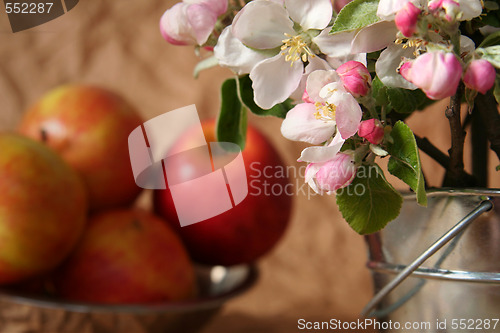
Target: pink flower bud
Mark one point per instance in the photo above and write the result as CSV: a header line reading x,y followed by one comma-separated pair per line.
x,y
187,24
480,76
355,78
406,19
336,173
372,130
449,9
436,73
404,70
339,4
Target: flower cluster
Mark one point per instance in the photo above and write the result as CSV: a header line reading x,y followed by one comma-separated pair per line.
x,y
340,72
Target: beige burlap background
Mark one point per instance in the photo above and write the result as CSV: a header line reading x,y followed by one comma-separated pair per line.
x,y
317,271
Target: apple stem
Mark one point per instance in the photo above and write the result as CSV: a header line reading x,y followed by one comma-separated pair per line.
x,y
43,135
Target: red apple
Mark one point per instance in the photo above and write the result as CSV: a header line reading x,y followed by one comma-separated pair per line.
x,y
89,128
126,256
250,229
43,208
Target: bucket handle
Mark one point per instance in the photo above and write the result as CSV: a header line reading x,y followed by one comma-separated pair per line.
x,y
483,207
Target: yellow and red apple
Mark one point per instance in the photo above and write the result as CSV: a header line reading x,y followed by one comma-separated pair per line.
x,y
89,127
43,208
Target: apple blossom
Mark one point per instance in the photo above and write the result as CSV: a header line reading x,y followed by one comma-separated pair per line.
x,y
480,75
372,130
231,53
436,73
449,9
318,154
333,174
387,9
314,64
392,60
380,34
470,9
355,77
292,33
331,109
330,114
191,22
406,19
459,10
301,124
383,33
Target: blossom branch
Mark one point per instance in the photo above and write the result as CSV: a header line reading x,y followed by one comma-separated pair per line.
x,y
427,147
487,108
479,151
456,152
444,160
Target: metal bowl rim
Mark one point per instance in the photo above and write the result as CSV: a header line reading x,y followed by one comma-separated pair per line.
x,y
198,304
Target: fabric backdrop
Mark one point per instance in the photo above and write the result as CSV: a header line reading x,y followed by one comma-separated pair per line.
x,y
317,272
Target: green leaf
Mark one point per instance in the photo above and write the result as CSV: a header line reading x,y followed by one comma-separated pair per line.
x,y
379,92
401,100
491,19
490,40
405,160
247,96
492,15
496,90
356,15
490,53
406,101
370,202
232,121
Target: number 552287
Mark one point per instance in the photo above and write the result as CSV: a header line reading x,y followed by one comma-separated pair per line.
x,y
28,7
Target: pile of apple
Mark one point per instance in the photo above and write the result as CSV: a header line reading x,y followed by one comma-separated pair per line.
x,y
68,225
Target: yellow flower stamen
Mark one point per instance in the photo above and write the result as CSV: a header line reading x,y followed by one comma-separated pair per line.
x,y
325,111
417,43
295,48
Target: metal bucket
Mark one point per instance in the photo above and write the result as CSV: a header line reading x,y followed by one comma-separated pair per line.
x,y
437,269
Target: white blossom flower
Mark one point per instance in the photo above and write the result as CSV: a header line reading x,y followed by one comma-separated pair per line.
x,y
290,34
464,10
331,110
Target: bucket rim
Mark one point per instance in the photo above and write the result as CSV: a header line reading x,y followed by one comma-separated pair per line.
x,y
449,192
